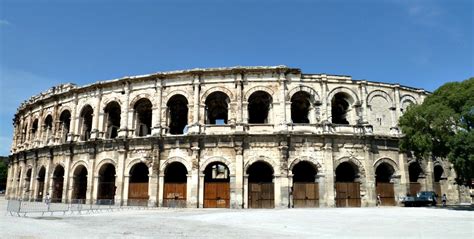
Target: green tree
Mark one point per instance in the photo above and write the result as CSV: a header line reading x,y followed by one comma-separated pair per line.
x,y
442,127
3,172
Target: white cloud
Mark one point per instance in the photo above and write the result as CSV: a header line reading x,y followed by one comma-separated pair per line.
x,y
4,23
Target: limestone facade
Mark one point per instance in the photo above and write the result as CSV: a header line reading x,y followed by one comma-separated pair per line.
x,y
106,140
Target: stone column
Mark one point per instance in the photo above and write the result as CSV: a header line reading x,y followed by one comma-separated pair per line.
x,y
238,84
74,121
156,115
95,120
370,197
161,183
325,116
126,180
21,189
404,176
95,189
201,190
120,173
282,118
290,184
321,180
363,101
429,175
246,191
237,184
124,126
194,128
282,186
330,192
67,172
194,193
153,188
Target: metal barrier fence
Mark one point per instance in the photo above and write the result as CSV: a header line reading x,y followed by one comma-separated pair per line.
x,y
22,208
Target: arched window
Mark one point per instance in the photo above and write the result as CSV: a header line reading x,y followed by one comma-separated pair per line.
x,y
259,107
300,107
177,114
65,124
143,114
340,106
48,126
85,122
112,124
217,105
34,129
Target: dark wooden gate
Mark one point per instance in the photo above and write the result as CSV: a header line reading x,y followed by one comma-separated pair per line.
x,y
387,194
138,194
106,190
261,195
305,195
437,189
217,195
348,194
414,188
174,195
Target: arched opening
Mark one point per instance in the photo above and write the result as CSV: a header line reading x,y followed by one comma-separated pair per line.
x,y
79,185
414,173
174,190
24,133
438,174
34,130
40,181
383,185
143,114
28,183
138,185
300,107
305,188
85,122
106,189
48,127
260,186
217,105
112,124
340,105
65,124
58,182
259,107
217,186
347,187
177,114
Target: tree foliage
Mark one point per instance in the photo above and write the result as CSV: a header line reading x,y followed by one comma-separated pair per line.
x,y
442,127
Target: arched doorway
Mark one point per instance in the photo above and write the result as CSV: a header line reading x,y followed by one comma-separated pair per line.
x,y
65,123
384,188
305,188
414,173
216,186
85,122
177,114
340,107
106,189
112,123
143,113
217,106
40,181
260,186
175,182
438,173
138,185
300,107
259,106
28,183
347,188
79,185
58,183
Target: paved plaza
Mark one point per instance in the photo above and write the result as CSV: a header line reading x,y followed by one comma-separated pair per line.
x,y
387,222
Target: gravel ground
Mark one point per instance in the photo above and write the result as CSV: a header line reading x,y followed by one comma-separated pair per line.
x,y
386,222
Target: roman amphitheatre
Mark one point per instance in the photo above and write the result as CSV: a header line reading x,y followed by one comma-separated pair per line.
x,y
237,137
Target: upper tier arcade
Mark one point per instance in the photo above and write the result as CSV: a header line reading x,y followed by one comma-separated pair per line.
x,y
234,100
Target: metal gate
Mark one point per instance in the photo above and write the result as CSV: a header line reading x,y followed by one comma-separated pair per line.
x,y
414,188
174,195
305,195
387,194
347,194
217,195
261,195
138,194
437,189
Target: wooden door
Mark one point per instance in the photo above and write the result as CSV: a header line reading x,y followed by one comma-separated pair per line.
x,y
387,194
348,194
437,189
261,195
174,195
217,195
305,195
414,188
138,194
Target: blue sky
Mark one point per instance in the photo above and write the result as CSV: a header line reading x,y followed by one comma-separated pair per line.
x,y
43,43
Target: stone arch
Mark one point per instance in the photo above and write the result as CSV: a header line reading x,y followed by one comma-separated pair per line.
x,y
139,97
82,105
264,159
380,93
343,89
178,160
216,89
110,100
390,162
354,161
46,114
176,92
216,159
408,97
313,93
79,163
64,108
102,163
317,166
133,162
260,88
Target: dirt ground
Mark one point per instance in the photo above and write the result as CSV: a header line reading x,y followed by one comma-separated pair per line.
x,y
386,222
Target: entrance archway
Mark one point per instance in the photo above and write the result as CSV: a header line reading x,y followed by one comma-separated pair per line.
x,y
58,182
80,185
261,191
414,173
40,181
216,186
138,185
384,188
347,188
106,189
175,183
305,188
438,173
